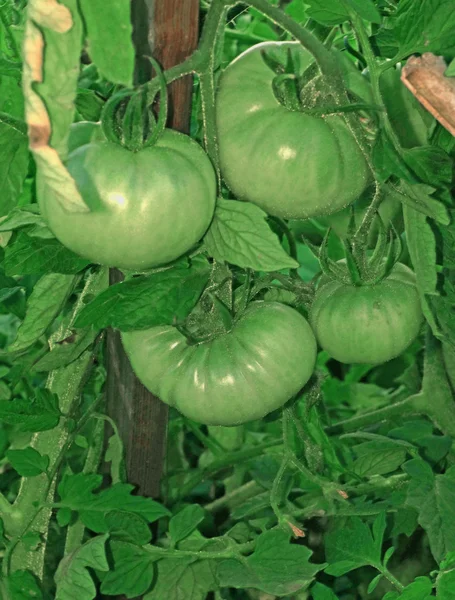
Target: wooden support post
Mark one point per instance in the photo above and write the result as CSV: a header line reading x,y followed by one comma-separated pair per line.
x,y
169,30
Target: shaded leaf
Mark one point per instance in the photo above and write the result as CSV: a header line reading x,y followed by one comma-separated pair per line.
x,y
276,566
28,255
28,462
172,294
72,578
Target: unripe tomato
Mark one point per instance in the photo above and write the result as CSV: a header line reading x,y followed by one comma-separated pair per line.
x,y
236,377
368,324
291,164
147,208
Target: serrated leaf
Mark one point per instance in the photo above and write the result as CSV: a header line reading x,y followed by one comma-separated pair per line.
x,y
185,522
183,579
379,461
172,294
28,255
110,38
28,462
128,527
72,578
133,572
350,547
46,301
39,414
425,26
433,496
276,566
240,235
14,159
77,493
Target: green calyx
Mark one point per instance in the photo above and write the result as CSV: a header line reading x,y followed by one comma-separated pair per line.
x,y
305,90
128,119
360,266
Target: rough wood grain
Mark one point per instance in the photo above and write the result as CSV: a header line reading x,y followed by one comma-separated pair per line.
x,y
169,30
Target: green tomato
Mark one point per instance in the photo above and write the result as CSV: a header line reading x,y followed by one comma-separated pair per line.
x,y
368,324
236,377
291,164
147,208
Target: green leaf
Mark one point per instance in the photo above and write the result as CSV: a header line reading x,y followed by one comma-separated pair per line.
x,y
276,566
28,462
32,255
39,414
422,248
89,105
172,293
374,583
76,493
377,458
431,164
67,351
327,12
22,585
367,10
185,522
45,303
133,572
22,216
72,573
319,591
450,71
433,496
445,584
62,30
352,546
418,196
425,26
387,161
419,589
240,235
183,579
109,36
14,159
128,527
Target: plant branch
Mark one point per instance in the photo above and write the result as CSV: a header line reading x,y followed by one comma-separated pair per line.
x,y
225,462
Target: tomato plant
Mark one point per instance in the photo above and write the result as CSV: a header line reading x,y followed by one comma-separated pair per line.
x,y
290,163
258,400
236,377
